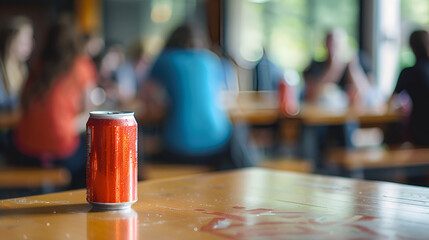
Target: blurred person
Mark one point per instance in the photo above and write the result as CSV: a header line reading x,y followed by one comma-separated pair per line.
x,y
54,104
16,45
229,85
230,77
183,86
335,83
111,60
93,45
266,75
130,74
415,81
328,79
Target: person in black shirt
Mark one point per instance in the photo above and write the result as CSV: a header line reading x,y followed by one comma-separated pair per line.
x,y
353,77
415,81
352,84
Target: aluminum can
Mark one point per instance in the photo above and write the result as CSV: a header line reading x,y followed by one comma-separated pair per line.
x,y
111,165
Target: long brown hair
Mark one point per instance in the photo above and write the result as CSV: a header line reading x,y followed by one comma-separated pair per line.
x,y
187,36
58,55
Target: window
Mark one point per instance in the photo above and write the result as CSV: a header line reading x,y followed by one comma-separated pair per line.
x,y
148,20
291,31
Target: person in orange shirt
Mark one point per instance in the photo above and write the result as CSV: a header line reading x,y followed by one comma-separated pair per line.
x,y
54,100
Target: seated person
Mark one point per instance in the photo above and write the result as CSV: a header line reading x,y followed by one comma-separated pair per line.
x,y
415,81
130,74
230,78
334,84
53,102
266,74
195,129
354,77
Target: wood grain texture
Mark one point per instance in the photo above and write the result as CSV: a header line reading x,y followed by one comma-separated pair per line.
x,y
246,204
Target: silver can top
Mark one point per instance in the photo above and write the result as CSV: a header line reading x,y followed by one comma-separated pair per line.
x,y
110,114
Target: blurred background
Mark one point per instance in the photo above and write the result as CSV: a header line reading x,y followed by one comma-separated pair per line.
x,y
265,58
292,32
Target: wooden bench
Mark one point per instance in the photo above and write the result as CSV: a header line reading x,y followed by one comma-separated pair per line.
x,y
20,177
287,164
359,160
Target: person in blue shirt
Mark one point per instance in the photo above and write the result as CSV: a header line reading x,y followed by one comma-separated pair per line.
x,y
195,128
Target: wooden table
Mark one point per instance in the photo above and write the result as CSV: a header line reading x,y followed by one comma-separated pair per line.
x,y
314,115
246,204
262,108
252,107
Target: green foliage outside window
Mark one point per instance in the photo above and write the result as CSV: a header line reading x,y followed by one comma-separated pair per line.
x,y
293,31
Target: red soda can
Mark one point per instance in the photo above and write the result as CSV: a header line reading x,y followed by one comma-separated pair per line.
x,y
111,166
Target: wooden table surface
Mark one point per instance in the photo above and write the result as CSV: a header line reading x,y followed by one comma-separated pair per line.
x,y
246,204
262,108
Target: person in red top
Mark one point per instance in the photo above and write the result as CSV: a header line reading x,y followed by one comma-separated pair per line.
x,y
53,102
